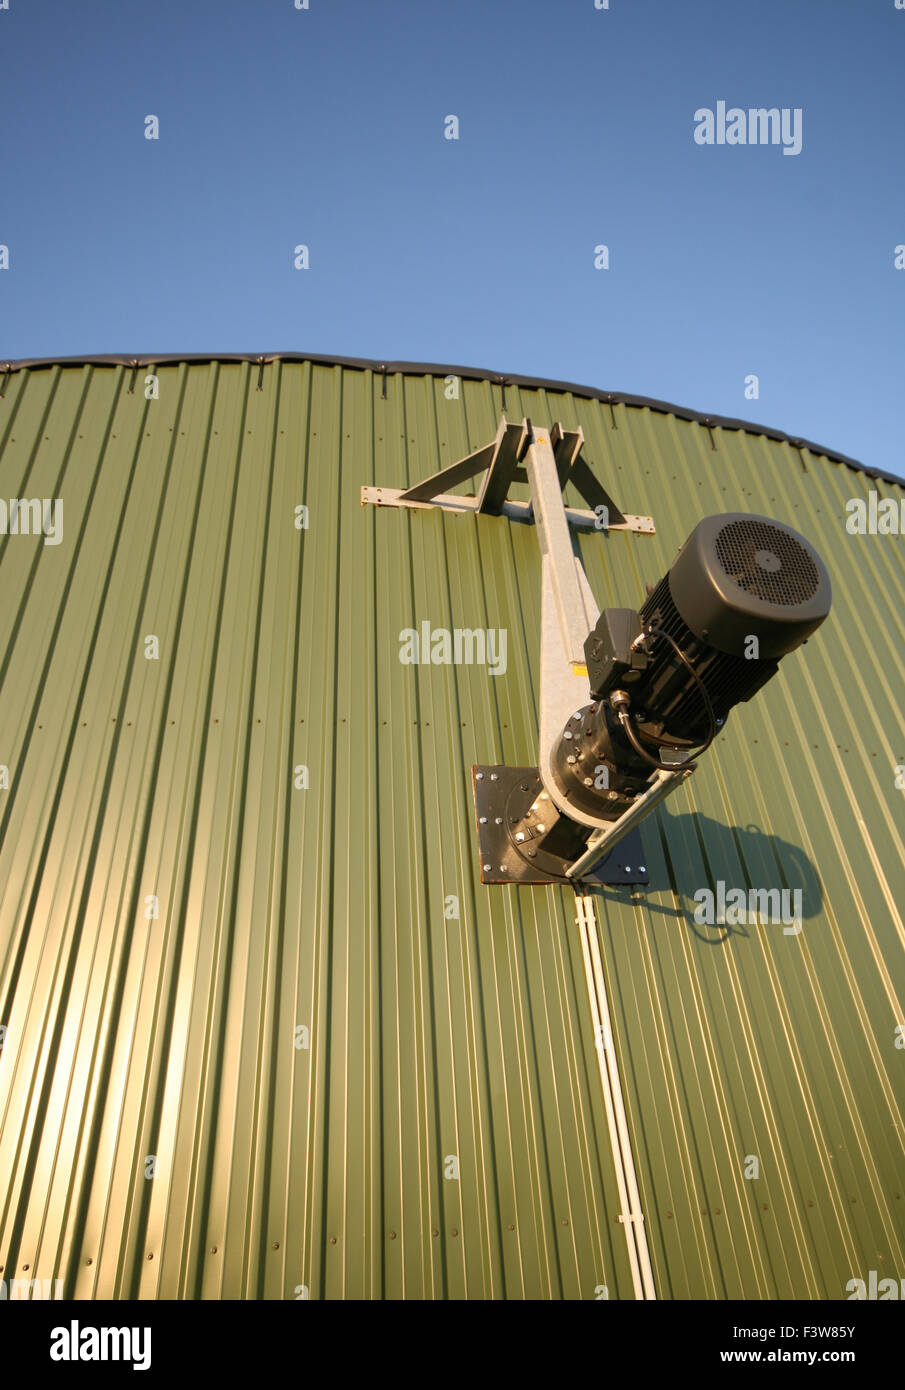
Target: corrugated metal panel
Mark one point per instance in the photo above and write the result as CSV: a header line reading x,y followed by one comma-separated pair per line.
x,y
282,1167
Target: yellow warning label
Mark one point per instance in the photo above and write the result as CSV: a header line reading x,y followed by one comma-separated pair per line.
x,y
579,670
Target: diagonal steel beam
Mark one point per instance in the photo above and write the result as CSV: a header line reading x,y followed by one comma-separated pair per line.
x,y
590,489
455,473
503,469
556,545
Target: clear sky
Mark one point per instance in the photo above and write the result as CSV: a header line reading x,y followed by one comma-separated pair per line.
x,y
326,127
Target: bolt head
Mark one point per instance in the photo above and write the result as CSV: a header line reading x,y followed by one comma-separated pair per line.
x,y
589,781
479,776
567,733
487,868
541,827
642,868
611,796
499,820
572,758
520,835
482,820
494,777
502,868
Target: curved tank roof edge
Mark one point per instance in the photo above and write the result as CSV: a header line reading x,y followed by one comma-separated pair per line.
x,y
470,373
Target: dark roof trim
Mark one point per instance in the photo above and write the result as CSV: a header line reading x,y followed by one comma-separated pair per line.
x,y
467,373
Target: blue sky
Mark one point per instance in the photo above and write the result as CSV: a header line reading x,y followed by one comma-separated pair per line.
x,y
325,127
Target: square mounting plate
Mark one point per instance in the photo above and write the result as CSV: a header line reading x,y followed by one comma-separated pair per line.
x,y
508,864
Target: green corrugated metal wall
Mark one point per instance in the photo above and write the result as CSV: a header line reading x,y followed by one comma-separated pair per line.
x,y
283,1168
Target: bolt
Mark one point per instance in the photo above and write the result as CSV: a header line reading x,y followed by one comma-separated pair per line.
x,y
611,796
499,820
502,868
532,853
479,776
567,733
588,781
494,777
483,820
487,868
540,827
572,758
520,835
642,868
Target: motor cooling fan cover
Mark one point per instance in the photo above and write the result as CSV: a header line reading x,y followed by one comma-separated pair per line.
x,y
740,575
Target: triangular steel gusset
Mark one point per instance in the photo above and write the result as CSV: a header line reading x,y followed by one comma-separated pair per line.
x,y
499,465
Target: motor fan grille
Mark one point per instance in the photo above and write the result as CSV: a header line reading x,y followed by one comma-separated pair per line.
x,y
767,562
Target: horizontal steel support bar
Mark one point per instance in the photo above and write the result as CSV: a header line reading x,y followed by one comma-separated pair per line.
x,y
516,511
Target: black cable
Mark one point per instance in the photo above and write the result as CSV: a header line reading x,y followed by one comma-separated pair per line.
x,y
634,740
714,727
